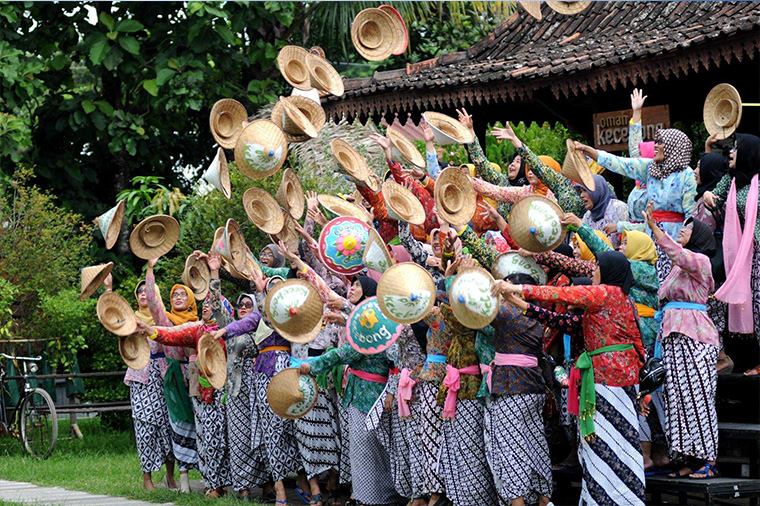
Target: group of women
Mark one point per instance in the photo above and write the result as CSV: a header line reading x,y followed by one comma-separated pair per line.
x,y
454,415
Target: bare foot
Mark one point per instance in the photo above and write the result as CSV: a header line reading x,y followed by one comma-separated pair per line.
x,y
148,485
684,471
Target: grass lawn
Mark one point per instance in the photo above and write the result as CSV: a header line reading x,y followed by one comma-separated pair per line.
x,y
104,462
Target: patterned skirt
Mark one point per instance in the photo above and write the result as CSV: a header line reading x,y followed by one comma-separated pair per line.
x,y
462,464
612,462
318,435
663,264
404,442
370,463
211,426
151,419
427,415
275,436
519,452
345,444
691,380
247,465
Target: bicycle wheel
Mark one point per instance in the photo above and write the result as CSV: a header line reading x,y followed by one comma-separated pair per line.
x,y
39,424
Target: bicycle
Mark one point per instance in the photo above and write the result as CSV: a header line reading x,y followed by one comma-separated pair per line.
x,y
35,422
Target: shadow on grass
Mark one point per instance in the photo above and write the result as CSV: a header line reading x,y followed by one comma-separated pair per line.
x,y
104,462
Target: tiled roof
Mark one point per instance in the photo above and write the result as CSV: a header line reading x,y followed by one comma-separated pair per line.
x,y
563,51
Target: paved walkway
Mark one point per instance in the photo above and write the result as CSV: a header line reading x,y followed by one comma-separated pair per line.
x,y
26,493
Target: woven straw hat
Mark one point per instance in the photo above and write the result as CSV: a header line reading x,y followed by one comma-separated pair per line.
x,y
154,236
455,198
226,121
403,148
722,111
375,35
568,7
134,350
261,149
292,63
376,256
218,175
402,204
116,315
350,160
339,207
109,224
291,394
369,330
231,245
533,8
470,298
263,210
576,168
406,293
341,245
402,34
447,130
323,75
290,118
197,276
92,278
212,361
295,310
512,263
535,224
308,108
290,194
288,233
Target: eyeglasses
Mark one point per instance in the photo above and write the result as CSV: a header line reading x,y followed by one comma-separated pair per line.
x,y
245,305
179,295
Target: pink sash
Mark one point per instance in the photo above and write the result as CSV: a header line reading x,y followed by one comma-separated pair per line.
x,y
485,370
368,376
451,381
515,359
737,257
405,386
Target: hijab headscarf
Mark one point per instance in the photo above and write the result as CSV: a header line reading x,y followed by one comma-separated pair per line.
x,y
615,270
369,287
189,314
498,242
677,153
640,247
747,159
702,239
712,167
540,188
564,249
250,296
435,235
143,313
520,178
600,197
586,253
279,260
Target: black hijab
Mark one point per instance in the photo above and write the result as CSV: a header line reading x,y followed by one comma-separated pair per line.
x,y
564,249
747,159
615,270
520,179
702,239
712,167
369,287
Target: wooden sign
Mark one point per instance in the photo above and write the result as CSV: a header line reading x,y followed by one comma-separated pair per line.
x,y
611,128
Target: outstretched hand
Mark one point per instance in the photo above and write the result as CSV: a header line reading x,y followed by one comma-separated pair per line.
x,y
637,99
571,219
465,119
507,134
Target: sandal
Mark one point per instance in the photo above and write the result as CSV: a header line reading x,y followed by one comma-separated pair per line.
x,y
333,498
284,502
681,473
316,500
705,472
305,496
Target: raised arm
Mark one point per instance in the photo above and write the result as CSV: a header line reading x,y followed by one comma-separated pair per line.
x,y
571,267
183,336
345,355
412,245
478,248
508,194
595,244
157,309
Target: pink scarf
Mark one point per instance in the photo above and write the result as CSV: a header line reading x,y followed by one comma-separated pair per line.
x,y
451,381
737,257
405,386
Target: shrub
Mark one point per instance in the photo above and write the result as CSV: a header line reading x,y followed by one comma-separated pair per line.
x,y
543,139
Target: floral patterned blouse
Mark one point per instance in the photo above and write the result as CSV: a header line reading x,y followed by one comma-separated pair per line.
x,y
422,194
358,392
158,312
690,280
438,343
570,267
386,227
675,193
480,251
143,375
517,334
461,354
616,212
645,283
508,194
563,323
608,319
486,352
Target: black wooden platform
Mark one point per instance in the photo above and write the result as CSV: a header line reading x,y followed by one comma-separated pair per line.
x,y
709,491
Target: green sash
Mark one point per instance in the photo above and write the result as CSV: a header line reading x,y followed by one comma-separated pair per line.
x,y
175,391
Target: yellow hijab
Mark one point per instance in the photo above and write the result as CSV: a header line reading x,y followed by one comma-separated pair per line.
x,y
585,252
640,247
143,313
189,314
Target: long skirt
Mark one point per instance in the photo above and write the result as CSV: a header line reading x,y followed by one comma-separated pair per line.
x,y
462,463
427,414
370,463
151,419
318,435
691,380
211,427
184,444
345,444
612,462
247,464
520,454
274,435
404,436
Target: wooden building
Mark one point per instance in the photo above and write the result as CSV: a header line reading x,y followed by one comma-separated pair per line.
x,y
567,68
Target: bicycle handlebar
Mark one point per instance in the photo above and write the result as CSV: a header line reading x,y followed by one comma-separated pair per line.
x,y
30,359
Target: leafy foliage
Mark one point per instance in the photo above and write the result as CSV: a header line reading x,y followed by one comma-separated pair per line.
x,y
543,139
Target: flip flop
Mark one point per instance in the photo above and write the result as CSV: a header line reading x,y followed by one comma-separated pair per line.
x,y
703,473
305,496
